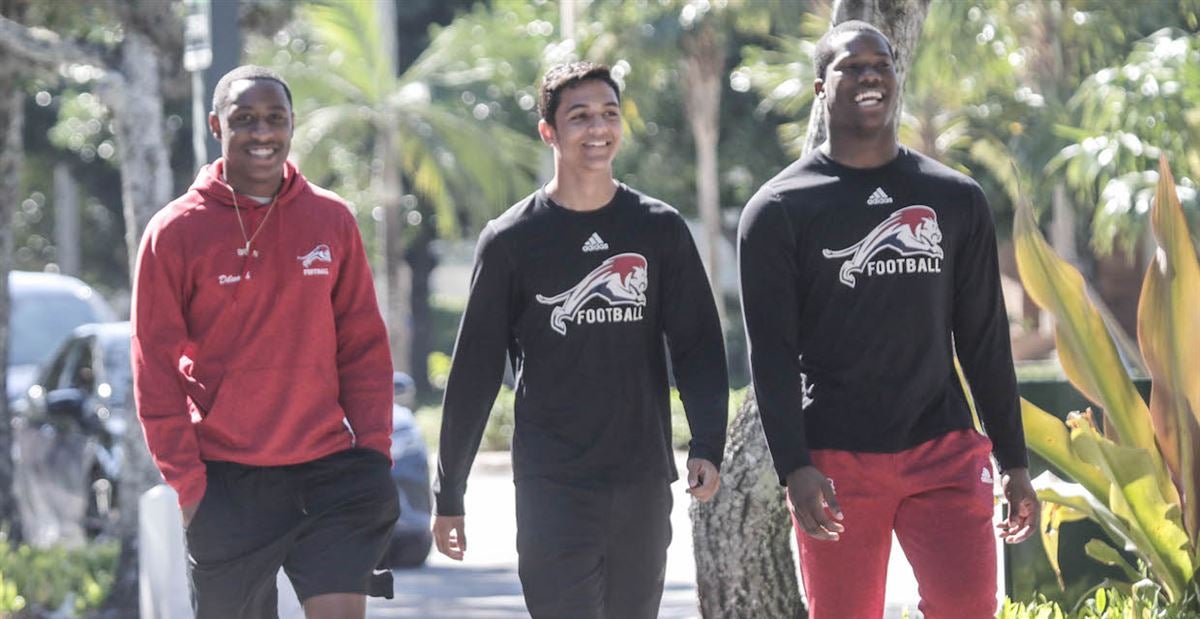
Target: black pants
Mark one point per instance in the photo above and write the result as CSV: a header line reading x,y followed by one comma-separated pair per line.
x,y
326,522
593,551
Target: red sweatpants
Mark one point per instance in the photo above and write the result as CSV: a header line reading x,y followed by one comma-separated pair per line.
x,y
937,497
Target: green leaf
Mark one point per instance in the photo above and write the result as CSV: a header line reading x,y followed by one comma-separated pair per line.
x,y
1154,520
1087,352
1169,335
1052,489
1108,555
1053,517
1050,438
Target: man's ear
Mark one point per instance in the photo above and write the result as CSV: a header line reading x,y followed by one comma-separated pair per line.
x,y
819,88
214,125
547,132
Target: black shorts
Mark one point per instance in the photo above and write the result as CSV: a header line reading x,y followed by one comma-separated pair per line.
x,y
326,522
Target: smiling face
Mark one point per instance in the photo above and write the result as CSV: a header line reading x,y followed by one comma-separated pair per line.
x,y
255,131
587,127
859,87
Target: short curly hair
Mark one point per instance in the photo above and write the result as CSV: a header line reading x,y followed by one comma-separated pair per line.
x,y
824,52
561,77
245,72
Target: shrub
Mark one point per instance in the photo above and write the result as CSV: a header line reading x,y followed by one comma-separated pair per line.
x,y
1139,476
35,581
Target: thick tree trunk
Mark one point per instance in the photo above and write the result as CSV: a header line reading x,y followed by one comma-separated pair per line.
x,y
744,565
11,155
741,535
704,71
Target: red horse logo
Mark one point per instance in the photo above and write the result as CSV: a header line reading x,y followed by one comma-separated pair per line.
x,y
910,231
620,280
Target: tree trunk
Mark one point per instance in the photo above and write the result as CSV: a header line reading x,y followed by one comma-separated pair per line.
x,y
744,564
421,263
741,536
66,219
704,71
134,96
395,293
11,155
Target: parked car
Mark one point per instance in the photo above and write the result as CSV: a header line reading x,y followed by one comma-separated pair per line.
x,y
67,431
411,538
44,309
68,453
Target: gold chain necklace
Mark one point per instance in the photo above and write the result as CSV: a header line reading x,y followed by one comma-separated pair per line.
x,y
246,251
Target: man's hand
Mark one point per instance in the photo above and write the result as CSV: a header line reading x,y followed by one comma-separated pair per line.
x,y
1024,510
703,479
813,501
449,533
189,512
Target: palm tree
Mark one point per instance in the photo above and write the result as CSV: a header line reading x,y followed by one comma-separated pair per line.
x,y
372,131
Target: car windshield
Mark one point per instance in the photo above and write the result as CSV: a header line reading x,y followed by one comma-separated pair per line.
x,y
40,322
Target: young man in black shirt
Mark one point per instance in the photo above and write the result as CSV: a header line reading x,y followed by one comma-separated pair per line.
x,y
865,267
586,284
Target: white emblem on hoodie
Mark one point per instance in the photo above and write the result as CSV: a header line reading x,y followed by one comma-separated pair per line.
x,y
320,253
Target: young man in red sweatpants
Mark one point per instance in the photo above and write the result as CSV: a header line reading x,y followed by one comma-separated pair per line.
x,y
865,268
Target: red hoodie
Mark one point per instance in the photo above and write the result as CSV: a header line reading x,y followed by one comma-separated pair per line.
x,y
264,360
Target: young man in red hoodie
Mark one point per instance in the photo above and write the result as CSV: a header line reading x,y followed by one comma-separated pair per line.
x,y
262,372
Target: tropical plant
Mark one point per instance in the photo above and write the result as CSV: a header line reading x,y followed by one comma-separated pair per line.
x,y
1136,474
372,133
1122,110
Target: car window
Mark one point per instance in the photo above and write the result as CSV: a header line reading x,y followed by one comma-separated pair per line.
x,y
83,376
63,372
40,322
117,373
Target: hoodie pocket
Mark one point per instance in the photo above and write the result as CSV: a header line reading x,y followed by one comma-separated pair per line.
x,y
274,409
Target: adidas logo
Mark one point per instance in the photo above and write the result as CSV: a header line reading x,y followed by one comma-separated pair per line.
x,y
985,475
595,243
879,197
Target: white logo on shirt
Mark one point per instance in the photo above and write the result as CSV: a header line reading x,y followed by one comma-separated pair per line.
x,y
910,231
594,243
879,197
320,253
620,281
985,475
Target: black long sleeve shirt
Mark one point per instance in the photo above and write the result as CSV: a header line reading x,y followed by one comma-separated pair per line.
x,y
858,287
586,305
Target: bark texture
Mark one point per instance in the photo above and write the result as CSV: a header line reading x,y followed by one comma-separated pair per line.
x,y
744,564
744,561
11,155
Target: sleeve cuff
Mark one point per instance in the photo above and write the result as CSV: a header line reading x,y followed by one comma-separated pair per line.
x,y
191,491
704,452
449,504
1012,458
797,460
